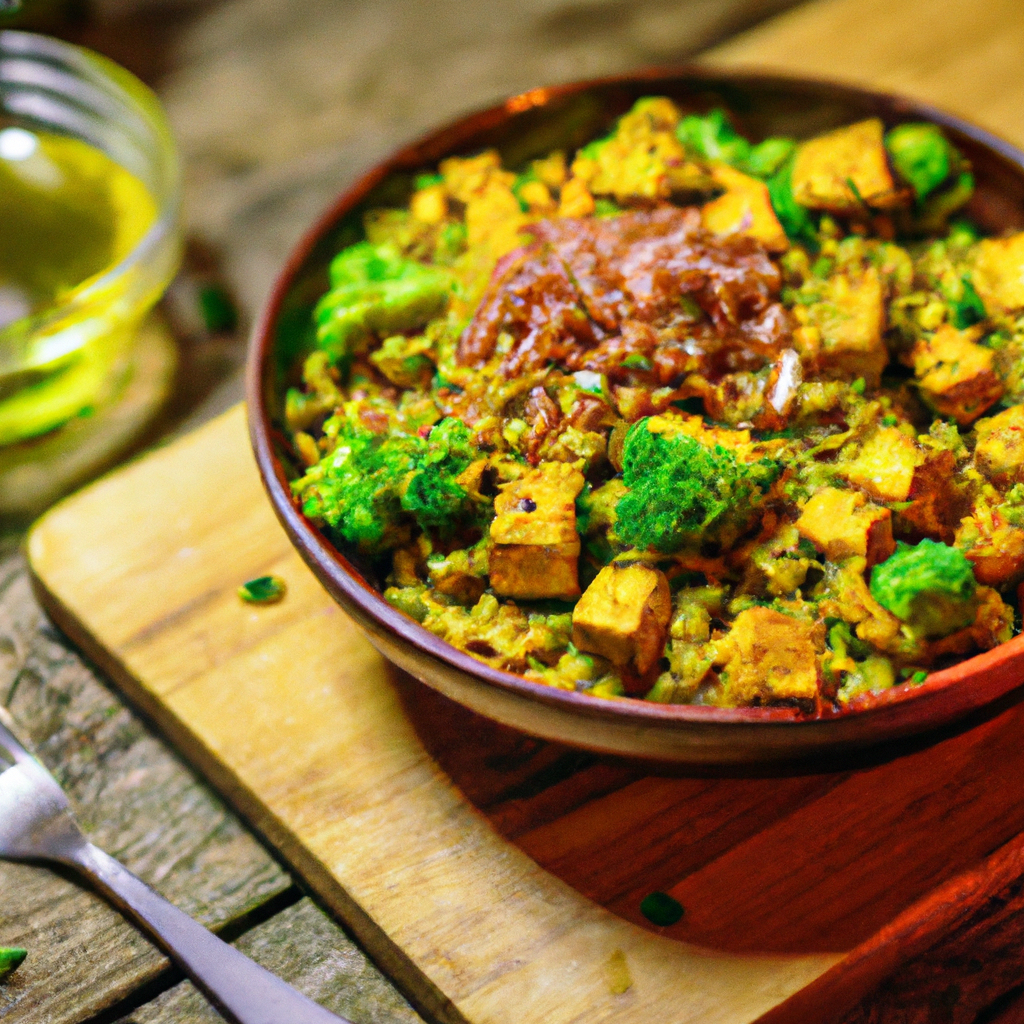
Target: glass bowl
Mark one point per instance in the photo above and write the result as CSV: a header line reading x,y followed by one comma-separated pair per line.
x,y
79,378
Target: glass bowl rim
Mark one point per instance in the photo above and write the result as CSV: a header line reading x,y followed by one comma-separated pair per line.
x,y
137,96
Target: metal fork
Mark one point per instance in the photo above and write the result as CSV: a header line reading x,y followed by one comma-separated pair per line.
x,y
36,823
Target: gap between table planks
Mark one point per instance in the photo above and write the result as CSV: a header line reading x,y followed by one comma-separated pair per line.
x,y
306,729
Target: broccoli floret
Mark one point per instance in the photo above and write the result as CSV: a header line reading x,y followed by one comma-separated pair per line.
x,y
930,586
370,486
768,156
682,493
922,156
374,289
431,495
713,136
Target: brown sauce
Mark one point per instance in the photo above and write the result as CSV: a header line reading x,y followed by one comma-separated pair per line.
x,y
587,293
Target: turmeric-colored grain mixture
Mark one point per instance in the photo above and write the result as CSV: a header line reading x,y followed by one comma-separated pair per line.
x,y
682,417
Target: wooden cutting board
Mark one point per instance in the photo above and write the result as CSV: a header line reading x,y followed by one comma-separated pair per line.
x,y
498,878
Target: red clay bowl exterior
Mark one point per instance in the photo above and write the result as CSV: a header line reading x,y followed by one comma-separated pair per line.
x,y
525,126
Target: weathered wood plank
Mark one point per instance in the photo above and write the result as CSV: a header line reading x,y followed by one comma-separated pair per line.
x,y
137,800
305,948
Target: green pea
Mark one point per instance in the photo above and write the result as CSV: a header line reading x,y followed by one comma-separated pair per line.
x,y
661,909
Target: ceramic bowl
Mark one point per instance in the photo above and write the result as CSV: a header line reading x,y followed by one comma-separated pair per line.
x,y
523,127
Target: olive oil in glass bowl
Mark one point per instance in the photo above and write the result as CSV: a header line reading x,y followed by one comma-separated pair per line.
x,y
89,240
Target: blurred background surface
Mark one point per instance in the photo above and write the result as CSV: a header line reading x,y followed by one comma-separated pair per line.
x,y
277,105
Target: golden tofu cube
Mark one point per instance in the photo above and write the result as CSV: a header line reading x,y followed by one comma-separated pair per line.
x,y
999,453
624,615
892,467
998,275
885,465
955,373
842,524
537,197
850,319
464,177
744,208
575,200
992,545
534,546
770,658
494,218
845,169
535,571
429,205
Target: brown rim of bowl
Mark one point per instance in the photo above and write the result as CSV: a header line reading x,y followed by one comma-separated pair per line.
x,y
345,582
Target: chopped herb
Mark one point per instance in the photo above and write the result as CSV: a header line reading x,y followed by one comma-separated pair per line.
x,y
858,386
11,959
968,309
426,180
661,909
606,208
635,361
217,309
262,590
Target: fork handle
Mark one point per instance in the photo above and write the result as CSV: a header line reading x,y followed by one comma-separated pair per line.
x,y
240,989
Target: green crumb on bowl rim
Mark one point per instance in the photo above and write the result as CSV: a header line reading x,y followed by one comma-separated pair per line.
x,y
661,909
262,590
11,959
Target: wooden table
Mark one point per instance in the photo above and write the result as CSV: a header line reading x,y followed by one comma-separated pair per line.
x,y
250,194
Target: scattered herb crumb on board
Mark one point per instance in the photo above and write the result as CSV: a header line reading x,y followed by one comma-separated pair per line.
x,y
682,417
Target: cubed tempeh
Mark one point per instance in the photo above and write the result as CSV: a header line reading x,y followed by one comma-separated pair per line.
x,y
770,658
841,523
624,616
845,170
744,208
955,373
534,546
998,276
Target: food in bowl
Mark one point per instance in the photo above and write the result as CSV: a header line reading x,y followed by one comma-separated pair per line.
x,y
681,417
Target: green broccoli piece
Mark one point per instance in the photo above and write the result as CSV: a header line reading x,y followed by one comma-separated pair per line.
x,y
374,289
431,495
371,486
795,219
922,156
768,156
712,136
1012,507
682,493
11,959
930,586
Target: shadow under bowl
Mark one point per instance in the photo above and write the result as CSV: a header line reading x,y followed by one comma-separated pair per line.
x,y
522,128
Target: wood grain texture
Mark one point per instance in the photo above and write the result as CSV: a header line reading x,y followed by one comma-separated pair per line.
x,y
298,718
304,947
964,57
135,798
